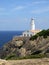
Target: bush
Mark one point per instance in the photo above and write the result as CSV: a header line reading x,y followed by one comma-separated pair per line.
x,y
11,56
26,57
43,33
34,56
34,37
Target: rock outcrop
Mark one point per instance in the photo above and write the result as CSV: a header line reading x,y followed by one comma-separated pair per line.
x,y
19,47
25,47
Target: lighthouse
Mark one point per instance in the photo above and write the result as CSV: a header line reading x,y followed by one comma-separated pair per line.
x,y
32,31
32,24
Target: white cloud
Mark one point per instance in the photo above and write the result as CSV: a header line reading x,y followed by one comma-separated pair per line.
x,y
37,3
18,8
21,7
40,2
46,9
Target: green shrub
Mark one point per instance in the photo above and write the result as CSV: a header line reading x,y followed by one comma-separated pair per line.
x,y
34,37
26,57
11,56
43,33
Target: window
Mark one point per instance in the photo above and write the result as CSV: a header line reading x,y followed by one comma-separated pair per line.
x,y
24,35
30,34
27,35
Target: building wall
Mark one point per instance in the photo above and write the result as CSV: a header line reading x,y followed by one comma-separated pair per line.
x,y
27,34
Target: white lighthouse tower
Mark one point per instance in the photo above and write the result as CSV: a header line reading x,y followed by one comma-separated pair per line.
x,y
32,31
32,24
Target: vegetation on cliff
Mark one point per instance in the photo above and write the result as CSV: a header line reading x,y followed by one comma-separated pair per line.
x,y
13,56
43,33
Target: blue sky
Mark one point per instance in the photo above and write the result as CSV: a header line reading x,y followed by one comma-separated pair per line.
x,y
16,14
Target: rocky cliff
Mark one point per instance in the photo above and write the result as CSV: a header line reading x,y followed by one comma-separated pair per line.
x,y
20,47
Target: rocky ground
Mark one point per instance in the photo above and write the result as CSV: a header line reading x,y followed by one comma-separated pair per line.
x,y
43,61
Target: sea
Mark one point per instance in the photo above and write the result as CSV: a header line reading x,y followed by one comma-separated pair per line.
x,y
6,36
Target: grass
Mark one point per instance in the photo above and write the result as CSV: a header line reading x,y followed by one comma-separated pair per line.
x,y
13,57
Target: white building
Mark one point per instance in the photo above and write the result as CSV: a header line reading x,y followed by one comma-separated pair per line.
x,y
27,34
31,32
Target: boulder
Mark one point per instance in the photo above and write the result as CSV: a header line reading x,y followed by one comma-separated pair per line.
x,y
22,52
